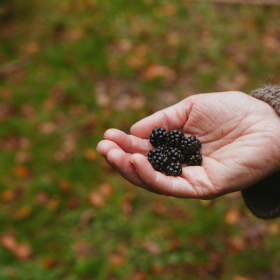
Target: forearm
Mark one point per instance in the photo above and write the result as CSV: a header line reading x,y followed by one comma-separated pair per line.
x,y
263,198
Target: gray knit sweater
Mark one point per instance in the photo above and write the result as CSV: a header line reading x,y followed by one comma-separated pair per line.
x,y
263,198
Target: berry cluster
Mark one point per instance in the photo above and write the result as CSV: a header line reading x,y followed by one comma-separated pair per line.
x,y
173,149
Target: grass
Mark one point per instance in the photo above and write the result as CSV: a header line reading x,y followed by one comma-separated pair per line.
x,y
69,71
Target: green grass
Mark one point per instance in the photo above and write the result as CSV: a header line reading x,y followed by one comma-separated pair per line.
x,y
68,56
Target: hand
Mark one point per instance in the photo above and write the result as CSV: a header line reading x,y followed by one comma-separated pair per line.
x,y
240,138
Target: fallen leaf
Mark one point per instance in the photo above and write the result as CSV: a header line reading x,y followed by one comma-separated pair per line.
x,y
76,35
23,212
152,247
54,202
32,48
274,228
232,216
8,195
8,241
154,71
236,244
49,263
28,111
106,189
174,245
238,277
73,203
271,42
82,249
47,128
64,185
117,259
159,208
169,9
49,104
42,198
140,276
96,199
23,251
205,202
85,219
90,154
156,268
23,157
7,111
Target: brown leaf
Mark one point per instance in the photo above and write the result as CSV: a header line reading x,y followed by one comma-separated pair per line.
x,y
134,61
274,228
54,202
7,111
90,154
42,198
117,259
174,245
159,71
271,42
96,199
49,104
152,247
232,216
8,195
8,241
85,219
76,35
49,263
28,111
159,208
127,203
236,244
140,276
23,251
238,277
32,48
106,189
156,268
47,128
73,203
23,157
82,249
169,9
23,212
64,185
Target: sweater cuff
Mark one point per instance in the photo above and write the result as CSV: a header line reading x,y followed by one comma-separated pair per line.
x,y
263,198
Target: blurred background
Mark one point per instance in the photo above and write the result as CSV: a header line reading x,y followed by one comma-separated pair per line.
x,y
69,70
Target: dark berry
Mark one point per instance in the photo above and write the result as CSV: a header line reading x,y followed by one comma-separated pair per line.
x,y
175,155
158,136
174,169
193,159
189,145
174,138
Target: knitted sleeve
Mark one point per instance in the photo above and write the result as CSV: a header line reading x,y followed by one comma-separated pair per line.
x,y
263,198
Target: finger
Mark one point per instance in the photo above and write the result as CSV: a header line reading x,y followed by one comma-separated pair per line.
x,y
121,162
105,146
173,117
193,183
129,143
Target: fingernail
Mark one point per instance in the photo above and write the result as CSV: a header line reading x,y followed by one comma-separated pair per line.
x,y
98,151
133,165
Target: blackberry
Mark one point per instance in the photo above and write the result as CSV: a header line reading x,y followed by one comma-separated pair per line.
x,y
174,138
158,136
193,159
158,159
175,155
151,153
189,145
174,169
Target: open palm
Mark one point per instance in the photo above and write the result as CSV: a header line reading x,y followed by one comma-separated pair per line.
x,y
240,139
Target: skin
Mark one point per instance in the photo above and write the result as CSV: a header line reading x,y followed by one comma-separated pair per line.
x,y
240,138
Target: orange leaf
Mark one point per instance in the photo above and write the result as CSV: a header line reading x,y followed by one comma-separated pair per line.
x,y
54,202
42,198
159,71
96,199
90,154
238,277
8,241
49,263
23,212
140,276
232,216
23,251
21,171
236,243
64,185
117,259
106,189
8,195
